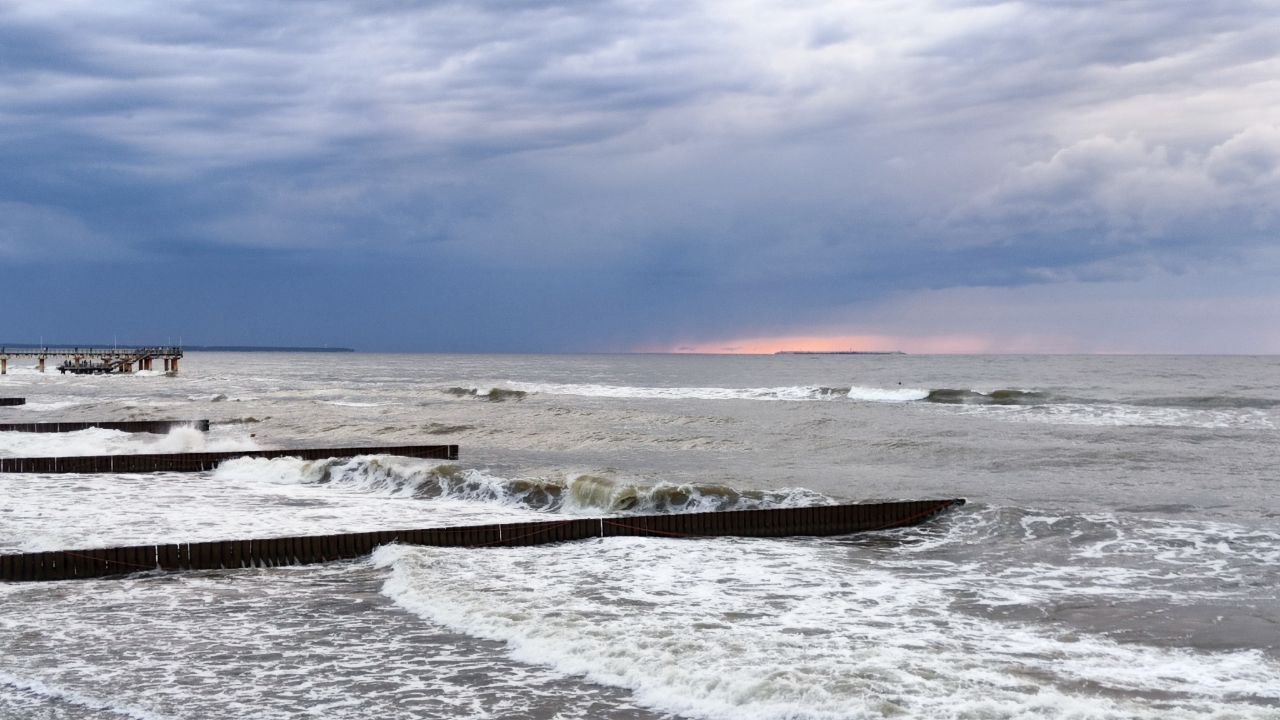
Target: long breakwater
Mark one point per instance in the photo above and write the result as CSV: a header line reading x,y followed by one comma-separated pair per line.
x,y
201,462
311,549
157,427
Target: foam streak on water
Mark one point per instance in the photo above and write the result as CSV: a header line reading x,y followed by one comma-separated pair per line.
x,y
262,645
780,629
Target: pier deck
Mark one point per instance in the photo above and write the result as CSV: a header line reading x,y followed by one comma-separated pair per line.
x,y
96,361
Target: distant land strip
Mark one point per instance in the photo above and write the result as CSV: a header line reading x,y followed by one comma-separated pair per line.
x,y
839,352
264,348
189,348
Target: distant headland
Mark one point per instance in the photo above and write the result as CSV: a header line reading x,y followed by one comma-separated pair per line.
x,y
839,352
265,348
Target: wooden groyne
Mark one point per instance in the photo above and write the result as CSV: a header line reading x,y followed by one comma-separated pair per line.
x,y
199,462
158,427
12,401
310,549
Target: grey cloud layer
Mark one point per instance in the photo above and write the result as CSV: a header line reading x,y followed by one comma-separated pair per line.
x,y
722,164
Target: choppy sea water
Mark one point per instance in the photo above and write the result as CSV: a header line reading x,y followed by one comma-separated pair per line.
x,y
1119,556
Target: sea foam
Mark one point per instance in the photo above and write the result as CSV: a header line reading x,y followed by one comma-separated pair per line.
x,y
771,629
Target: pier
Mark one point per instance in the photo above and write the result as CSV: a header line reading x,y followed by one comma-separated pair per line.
x,y
97,361
312,549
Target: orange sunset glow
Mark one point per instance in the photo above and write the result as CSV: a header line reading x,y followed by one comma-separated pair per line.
x,y
948,344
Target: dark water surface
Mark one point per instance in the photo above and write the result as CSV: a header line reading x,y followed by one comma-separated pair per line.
x,y
1119,556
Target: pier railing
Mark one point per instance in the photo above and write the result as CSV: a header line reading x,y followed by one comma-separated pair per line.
x,y
54,351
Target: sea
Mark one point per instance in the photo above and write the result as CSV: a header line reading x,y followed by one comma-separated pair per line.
x,y
1118,556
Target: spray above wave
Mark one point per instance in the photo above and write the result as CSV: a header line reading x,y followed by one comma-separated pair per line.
x,y
571,494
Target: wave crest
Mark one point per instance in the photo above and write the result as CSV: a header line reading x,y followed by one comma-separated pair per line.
x,y
492,394
572,494
794,393
951,396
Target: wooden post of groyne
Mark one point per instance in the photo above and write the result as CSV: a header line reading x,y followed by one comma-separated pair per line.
x,y
310,549
158,427
201,462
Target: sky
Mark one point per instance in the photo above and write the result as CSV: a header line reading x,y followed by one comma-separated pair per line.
x,y
497,176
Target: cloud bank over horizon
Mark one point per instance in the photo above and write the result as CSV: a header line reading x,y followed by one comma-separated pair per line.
x,y
613,176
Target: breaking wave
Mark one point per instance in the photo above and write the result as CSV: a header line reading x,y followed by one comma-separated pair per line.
x,y
858,393
492,394
1207,411
952,396
49,406
100,441
571,494
794,393
995,397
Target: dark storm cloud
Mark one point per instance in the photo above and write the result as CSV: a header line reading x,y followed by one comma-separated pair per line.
x,y
611,174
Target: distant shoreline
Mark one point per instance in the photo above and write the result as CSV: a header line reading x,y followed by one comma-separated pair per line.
x,y
839,352
263,348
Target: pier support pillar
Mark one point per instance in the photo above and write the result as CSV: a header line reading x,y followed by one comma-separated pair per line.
x,y
4,366
174,364
166,364
41,363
